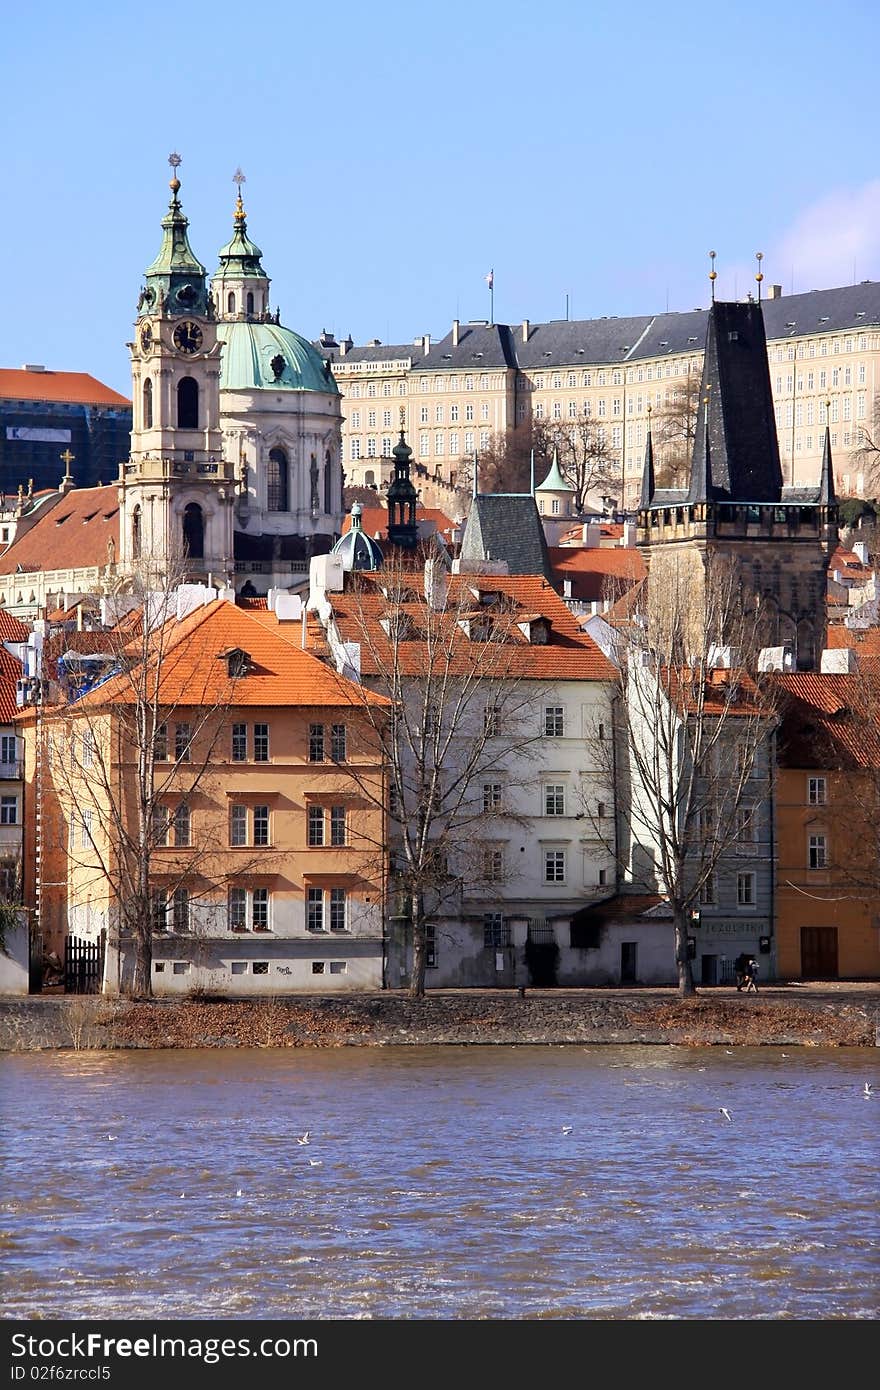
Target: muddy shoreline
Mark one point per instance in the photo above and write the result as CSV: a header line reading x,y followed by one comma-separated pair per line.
x,y
818,1019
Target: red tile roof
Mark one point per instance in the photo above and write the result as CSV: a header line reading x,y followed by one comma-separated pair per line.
x,y
829,721
570,653
283,674
375,519
72,535
71,388
593,570
11,628
10,670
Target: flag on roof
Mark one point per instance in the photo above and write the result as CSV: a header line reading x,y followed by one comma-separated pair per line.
x,y
490,279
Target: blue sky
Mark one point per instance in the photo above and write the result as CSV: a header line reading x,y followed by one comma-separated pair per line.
x,y
396,152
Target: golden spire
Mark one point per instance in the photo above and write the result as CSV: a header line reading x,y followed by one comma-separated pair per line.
x,y
713,275
759,274
239,178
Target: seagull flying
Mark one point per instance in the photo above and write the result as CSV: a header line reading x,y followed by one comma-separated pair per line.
x,y
726,1113
566,1129
868,1091
239,1193
116,1136
305,1137
315,1162
183,1194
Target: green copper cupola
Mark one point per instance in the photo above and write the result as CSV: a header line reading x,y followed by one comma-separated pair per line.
x,y
240,284
175,282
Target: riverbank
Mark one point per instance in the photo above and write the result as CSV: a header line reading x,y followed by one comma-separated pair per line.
x,y
832,1015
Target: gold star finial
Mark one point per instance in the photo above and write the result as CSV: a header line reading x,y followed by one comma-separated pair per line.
x,y
175,161
238,179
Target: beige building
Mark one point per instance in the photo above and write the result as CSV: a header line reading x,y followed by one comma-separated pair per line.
x,y
483,378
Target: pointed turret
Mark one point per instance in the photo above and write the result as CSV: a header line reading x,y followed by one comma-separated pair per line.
x,y
648,474
701,465
827,496
402,498
175,281
240,284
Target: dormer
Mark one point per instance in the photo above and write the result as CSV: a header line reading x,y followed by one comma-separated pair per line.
x,y
397,624
535,628
238,662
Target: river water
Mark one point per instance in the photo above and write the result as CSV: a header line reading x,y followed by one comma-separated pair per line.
x,y
439,1183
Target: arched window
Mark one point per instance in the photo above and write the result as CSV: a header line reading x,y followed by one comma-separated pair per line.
x,y
187,404
276,481
230,302
136,534
328,483
194,531
369,477
148,404
250,302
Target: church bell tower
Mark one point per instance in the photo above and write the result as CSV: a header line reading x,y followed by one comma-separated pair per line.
x,y
176,490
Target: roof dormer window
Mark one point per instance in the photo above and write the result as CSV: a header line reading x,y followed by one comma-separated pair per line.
x,y
238,662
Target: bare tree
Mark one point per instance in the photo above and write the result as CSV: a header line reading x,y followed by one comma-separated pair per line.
x,y
692,725
866,454
674,427
125,759
582,447
459,716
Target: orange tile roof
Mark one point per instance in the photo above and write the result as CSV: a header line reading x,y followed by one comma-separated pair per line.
x,y
589,568
70,388
12,629
375,519
72,535
570,653
830,721
10,670
283,675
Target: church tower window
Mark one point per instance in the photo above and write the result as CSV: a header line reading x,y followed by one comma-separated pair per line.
x,y
187,404
230,302
276,481
136,534
194,531
148,404
250,302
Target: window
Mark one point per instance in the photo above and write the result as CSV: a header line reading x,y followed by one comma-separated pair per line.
x,y
261,743
337,825
187,404
554,799
181,823
469,412
261,825
316,743
707,892
453,414
85,830
159,905
317,967
493,863
491,721
7,748
239,743
554,866
496,931
816,791
337,743
160,743
88,748
182,735
338,909
316,825
260,910
276,481
746,825
430,946
491,796
9,810
180,909
554,721
818,852
315,909
238,825
745,890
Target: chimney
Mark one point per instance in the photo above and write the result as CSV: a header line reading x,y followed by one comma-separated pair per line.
x,y
774,291
426,344
525,330
455,332
860,550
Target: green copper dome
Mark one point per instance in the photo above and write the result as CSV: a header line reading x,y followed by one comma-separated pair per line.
x,y
267,357
175,281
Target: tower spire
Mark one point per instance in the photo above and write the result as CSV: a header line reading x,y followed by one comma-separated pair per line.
x,y
827,494
648,473
175,281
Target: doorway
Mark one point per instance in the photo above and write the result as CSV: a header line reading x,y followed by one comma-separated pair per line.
x,y
628,969
819,953
708,970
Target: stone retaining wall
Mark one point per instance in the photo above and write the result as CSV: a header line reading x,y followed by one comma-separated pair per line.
x,y
50,1022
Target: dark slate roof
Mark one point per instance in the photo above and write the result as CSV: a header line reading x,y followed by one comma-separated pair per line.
x,y
740,459
480,347
670,334
381,352
565,342
507,526
823,311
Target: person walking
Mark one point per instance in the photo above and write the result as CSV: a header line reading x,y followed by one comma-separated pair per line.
x,y
752,973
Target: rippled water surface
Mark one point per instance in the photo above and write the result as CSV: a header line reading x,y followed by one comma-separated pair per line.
x,y
439,1183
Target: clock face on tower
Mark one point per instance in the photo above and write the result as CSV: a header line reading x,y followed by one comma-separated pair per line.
x,y
146,338
188,336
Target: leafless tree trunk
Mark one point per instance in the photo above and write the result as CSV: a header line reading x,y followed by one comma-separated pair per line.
x,y
694,721
674,427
